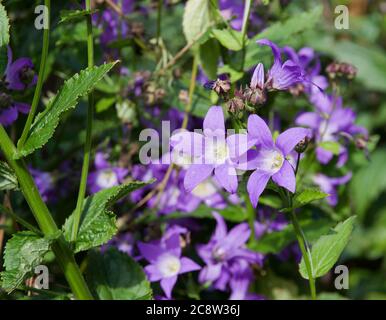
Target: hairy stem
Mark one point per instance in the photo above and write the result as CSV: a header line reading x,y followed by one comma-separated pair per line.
x,y
39,85
87,146
44,219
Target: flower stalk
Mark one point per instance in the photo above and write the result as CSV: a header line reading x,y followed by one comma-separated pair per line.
x,y
87,146
39,85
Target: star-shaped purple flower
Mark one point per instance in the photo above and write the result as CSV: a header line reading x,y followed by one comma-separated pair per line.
x,y
166,262
223,250
212,152
269,158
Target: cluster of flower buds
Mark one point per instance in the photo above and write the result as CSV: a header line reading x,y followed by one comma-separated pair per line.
x,y
341,69
251,96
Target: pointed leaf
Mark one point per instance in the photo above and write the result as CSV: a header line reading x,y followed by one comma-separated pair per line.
x,y
67,98
327,249
97,221
196,20
8,179
4,27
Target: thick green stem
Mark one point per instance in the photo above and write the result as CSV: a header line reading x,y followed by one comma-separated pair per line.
x,y
247,11
39,85
44,219
87,146
302,244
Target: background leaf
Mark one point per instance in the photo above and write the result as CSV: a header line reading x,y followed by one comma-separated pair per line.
x,y
196,20
114,275
229,38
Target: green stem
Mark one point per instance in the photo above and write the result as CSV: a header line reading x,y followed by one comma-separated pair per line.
x,y
247,11
159,20
302,244
44,219
39,85
20,220
87,146
251,217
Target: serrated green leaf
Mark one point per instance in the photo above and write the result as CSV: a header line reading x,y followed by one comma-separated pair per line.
x,y
67,98
331,146
327,250
8,179
4,27
229,38
116,276
23,252
97,222
196,20
70,15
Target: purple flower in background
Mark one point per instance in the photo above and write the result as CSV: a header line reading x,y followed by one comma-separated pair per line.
x,y
329,185
9,109
281,76
211,152
105,176
123,242
19,74
166,262
329,123
45,183
223,251
269,159
267,222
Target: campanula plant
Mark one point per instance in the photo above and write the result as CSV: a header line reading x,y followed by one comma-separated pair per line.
x,y
199,149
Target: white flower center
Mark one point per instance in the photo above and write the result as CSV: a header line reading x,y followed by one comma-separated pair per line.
x,y
219,253
107,179
169,265
272,160
205,189
216,151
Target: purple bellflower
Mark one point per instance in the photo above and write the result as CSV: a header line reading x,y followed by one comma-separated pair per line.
x,y
166,262
224,251
269,158
329,185
281,76
211,152
105,176
329,123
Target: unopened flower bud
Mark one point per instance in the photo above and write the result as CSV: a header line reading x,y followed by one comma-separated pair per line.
x,y
302,145
255,96
361,143
183,96
235,104
221,87
343,69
